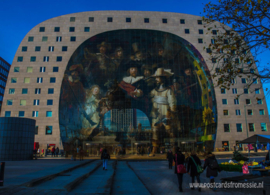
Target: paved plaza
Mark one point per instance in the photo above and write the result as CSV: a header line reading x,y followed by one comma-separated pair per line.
x,y
50,176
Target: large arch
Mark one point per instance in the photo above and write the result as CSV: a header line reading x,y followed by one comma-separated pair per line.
x,y
95,82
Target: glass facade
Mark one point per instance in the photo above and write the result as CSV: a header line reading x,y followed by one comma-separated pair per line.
x,y
131,89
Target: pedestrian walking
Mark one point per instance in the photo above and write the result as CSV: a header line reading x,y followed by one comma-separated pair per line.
x,y
57,151
194,168
105,157
53,152
170,158
42,152
180,169
212,167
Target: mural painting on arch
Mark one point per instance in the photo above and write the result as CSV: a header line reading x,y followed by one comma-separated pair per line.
x,y
137,91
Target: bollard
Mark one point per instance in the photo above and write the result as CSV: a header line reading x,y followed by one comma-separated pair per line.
x,y
2,169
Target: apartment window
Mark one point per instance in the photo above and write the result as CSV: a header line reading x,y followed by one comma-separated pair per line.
x,y
39,80
217,70
225,112
233,81
248,101
49,102
228,32
9,102
37,90
251,127
186,31
164,20
72,19
22,102
58,39
244,80
72,39
237,112
224,101
16,69
42,69
182,21
208,50
91,19
29,69
27,80
225,60
13,80
32,58
44,39
128,19
255,81
56,29
41,29
250,112
146,20
109,19
261,111
51,91
52,80
24,90
64,48
55,69
233,51
252,70
246,91
30,39
236,101
49,114
36,130
263,127
51,48
248,61
71,29
259,101
214,32
7,113
46,59
36,102
214,60
234,90
237,61
24,48
223,91
239,127
37,48
226,127
200,40
19,59
226,41
21,113
35,114
257,91
86,29
200,31
213,41
58,58
48,130
11,91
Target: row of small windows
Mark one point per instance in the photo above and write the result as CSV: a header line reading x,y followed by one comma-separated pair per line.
x,y
239,127
22,114
35,102
48,130
45,59
38,48
45,38
234,91
25,91
30,69
238,112
3,64
236,101
57,29
3,72
237,61
27,80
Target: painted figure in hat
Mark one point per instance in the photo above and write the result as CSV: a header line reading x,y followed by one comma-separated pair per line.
x,y
150,81
164,105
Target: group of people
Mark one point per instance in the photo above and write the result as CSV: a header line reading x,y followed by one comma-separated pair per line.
x,y
77,152
192,165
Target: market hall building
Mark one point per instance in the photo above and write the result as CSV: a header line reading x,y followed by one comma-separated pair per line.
x,y
79,75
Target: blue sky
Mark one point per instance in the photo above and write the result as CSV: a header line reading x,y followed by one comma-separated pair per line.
x,y
19,17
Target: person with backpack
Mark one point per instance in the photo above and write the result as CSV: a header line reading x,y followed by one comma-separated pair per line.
x,y
180,169
194,168
105,157
212,167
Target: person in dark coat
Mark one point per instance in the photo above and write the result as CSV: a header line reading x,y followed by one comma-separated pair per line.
x,y
192,168
105,157
267,156
179,158
211,173
170,158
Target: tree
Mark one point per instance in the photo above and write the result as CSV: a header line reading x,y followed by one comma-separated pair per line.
x,y
243,30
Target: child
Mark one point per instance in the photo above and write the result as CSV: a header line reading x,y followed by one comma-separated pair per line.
x,y
245,168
